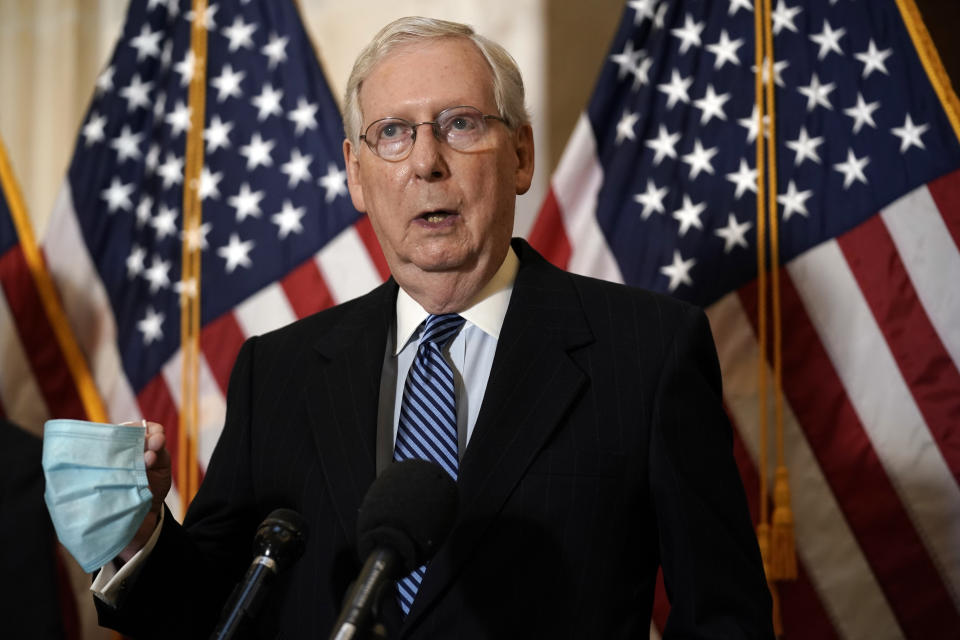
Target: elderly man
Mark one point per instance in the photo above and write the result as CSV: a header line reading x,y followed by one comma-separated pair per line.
x,y
585,428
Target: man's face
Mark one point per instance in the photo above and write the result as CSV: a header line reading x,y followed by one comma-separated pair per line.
x,y
438,209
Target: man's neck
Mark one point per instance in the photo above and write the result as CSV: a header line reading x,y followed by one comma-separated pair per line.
x,y
486,310
446,291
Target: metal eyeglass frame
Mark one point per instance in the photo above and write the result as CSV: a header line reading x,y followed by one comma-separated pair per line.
x,y
434,125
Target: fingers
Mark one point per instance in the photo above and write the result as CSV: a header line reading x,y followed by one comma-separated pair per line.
x,y
159,458
154,450
154,443
156,459
155,438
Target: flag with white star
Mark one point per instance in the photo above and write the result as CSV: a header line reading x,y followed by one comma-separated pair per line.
x,y
279,237
658,188
36,383
35,377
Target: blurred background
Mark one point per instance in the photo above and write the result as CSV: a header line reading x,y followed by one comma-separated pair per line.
x,y
51,52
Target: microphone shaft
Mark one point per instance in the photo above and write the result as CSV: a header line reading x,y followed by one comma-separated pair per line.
x,y
246,597
378,571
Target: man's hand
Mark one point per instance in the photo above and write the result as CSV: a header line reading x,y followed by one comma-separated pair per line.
x,y
157,460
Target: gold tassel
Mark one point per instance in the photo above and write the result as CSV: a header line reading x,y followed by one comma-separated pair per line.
x,y
777,619
783,556
763,541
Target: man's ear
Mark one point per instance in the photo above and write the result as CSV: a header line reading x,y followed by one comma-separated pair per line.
x,y
354,184
524,142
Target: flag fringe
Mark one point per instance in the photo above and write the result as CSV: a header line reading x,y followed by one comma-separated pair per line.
x,y
931,62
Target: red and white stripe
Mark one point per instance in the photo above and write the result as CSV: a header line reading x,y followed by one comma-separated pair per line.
x,y
20,396
871,352
34,378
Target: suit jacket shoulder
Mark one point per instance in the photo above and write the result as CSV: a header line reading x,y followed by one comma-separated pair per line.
x,y
333,328
609,311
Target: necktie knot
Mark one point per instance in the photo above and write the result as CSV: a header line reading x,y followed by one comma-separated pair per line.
x,y
440,329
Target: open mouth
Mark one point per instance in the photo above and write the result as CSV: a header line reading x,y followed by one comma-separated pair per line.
x,y
436,217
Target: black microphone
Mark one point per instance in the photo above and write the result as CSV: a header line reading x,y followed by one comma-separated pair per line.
x,y
279,543
405,517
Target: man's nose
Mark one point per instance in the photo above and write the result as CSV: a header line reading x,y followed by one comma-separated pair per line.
x,y
426,156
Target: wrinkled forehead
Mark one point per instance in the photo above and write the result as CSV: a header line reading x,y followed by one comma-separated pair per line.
x,y
431,69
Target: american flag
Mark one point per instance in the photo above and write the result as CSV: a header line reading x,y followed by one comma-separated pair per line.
x,y
35,381
657,188
279,238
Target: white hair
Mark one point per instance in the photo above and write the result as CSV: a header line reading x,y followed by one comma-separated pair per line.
x,y
507,81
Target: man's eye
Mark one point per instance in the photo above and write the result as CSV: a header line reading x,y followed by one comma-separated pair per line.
x,y
391,130
463,123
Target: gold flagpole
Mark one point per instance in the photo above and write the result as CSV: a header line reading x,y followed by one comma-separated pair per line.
x,y
783,559
187,476
763,530
766,188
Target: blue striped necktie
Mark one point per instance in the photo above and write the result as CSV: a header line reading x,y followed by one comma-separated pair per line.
x,y
428,418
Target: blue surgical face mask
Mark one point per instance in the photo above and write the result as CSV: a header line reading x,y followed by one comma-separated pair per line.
x,y
97,491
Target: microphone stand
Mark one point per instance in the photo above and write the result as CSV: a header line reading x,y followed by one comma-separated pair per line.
x,y
279,542
358,621
247,595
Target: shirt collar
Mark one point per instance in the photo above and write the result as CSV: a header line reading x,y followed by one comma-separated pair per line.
x,y
486,310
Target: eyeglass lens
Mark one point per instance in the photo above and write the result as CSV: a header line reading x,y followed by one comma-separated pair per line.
x,y
460,127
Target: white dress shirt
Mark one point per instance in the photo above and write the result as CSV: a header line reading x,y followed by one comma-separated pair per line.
x,y
470,355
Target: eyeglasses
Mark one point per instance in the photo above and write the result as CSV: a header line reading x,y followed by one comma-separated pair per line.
x,y
461,127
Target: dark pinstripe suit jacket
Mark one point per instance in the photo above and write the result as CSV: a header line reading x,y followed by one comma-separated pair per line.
x,y
601,452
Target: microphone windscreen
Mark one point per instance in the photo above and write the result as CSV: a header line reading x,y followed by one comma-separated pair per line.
x,y
410,509
281,536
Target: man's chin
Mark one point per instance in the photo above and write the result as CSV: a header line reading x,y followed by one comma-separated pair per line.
x,y
440,265
442,257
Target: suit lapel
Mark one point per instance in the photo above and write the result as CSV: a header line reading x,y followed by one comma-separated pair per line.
x,y
532,383
342,396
